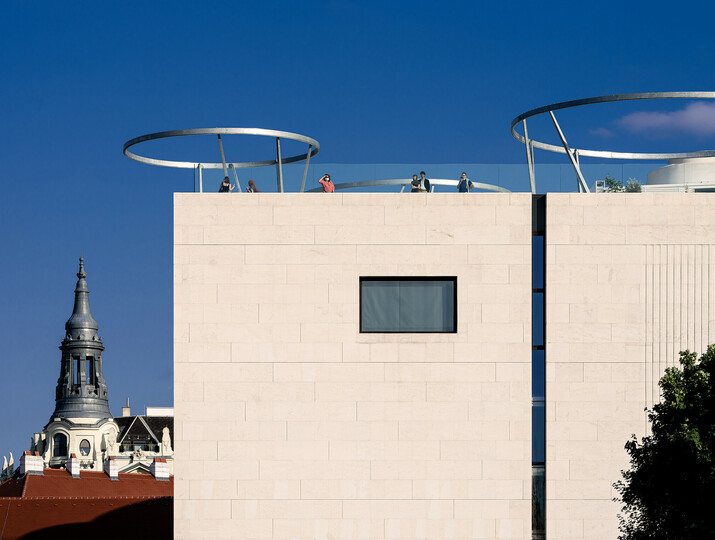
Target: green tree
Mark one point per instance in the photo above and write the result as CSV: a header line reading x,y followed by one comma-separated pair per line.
x,y
633,186
612,185
669,491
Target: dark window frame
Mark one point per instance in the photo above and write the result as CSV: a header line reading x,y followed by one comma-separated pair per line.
x,y
452,279
56,448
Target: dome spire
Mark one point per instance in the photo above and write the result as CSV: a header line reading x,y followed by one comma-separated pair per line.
x,y
81,274
81,324
81,389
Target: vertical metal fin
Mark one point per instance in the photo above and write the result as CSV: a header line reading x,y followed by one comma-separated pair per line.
x,y
279,165
570,153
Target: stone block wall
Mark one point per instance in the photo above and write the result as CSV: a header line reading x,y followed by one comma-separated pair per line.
x,y
290,423
630,282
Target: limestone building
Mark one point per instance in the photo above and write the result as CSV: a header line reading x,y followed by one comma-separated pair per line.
x,y
414,366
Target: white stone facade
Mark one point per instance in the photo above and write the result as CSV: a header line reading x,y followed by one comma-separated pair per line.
x,y
630,283
77,430
290,423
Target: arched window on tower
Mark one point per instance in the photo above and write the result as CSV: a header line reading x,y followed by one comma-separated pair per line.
x,y
76,373
60,445
90,371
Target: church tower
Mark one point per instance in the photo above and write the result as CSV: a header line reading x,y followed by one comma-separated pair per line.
x,y
81,433
81,424
81,389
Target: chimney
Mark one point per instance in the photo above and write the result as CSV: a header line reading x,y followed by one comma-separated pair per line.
x,y
31,463
126,411
72,465
111,468
160,469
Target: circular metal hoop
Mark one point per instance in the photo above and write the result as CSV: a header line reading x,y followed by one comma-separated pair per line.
x,y
606,99
405,181
313,148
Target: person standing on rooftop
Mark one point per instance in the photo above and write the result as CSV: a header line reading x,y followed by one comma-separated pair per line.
x,y
328,186
226,185
465,184
415,184
424,183
252,187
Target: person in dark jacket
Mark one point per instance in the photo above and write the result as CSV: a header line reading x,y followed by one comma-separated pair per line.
x,y
425,183
226,185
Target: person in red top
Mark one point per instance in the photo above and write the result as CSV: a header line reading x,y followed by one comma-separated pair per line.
x,y
328,186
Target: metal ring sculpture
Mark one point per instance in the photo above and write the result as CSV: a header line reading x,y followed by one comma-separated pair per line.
x,y
574,153
404,182
313,149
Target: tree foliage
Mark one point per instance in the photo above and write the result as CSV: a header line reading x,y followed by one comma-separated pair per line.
x,y
669,491
612,185
633,186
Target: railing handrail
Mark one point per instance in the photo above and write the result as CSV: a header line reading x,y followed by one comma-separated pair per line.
x,y
407,181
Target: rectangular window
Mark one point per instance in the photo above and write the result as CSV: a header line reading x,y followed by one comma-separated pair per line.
x,y
538,431
90,370
538,380
537,262
538,505
77,368
537,305
538,368
408,304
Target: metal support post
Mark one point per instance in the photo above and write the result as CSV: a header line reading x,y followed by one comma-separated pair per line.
x,y
235,176
305,169
570,154
201,180
279,165
223,159
529,158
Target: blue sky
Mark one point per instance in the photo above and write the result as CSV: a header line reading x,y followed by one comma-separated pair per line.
x,y
374,82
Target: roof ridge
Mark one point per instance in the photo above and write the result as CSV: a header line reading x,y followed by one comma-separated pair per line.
x,y
148,428
92,498
129,427
4,521
25,481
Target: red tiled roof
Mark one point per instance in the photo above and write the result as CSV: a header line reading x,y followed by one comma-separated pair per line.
x,y
55,505
69,518
59,483
12,487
